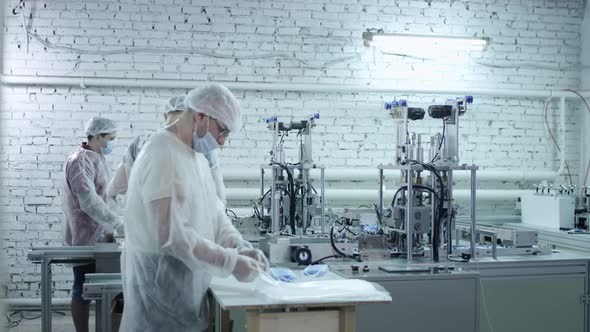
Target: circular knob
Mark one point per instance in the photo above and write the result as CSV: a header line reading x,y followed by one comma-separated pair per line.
x,y
302,255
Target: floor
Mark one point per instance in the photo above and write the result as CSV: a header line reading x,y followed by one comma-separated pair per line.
x,y
30,321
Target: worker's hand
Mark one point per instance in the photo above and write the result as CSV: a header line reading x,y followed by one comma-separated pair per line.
x,y
120,231
120,228
257,255
246,269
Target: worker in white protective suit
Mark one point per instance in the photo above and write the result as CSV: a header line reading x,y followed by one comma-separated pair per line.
x,y
178,235
89,218
173,108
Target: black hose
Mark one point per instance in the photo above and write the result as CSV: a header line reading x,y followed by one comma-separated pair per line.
x,y
440,143
439,209
416,186
321,259
292,196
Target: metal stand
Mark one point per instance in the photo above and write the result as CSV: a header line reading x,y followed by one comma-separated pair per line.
x,y
448,170
274,204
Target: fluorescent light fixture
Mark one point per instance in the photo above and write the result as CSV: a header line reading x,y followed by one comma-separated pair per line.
x,y
422,44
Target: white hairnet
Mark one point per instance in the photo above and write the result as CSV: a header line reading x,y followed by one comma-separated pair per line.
x,y
98,125
218,102
175,103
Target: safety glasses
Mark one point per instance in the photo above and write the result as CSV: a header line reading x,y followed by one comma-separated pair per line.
x,y
223,132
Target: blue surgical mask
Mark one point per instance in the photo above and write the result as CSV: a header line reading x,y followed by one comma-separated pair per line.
x,y
204,144
107,149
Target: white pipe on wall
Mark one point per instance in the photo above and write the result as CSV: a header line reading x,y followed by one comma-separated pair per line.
x,y
371,195
369,174
84,82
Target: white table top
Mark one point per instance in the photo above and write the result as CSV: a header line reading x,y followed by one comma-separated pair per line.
x,y
231,294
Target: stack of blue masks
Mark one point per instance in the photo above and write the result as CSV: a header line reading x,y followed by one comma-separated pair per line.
x,y
282,274
316,270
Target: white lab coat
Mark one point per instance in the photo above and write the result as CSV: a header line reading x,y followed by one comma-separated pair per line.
x,y
177,238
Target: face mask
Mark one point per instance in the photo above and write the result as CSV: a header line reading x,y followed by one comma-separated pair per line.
x,y
107,149
206,144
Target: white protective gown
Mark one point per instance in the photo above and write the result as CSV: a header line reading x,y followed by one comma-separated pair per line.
x,y
212,158
119,182
89,215
177,238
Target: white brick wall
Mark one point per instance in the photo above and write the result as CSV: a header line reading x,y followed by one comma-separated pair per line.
x,y
41,125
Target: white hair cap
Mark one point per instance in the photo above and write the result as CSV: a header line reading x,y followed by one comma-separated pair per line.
x,y
218,102
98,125
175,103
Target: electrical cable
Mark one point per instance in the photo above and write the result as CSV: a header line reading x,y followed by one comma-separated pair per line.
x,y
408,56
232,212
527,65
546,111
588,108
569,172
554,140
127,50
438,211
437,214
263,196
457,259
417,186
378,214
579,95
292,195
587,169
20,5
323,258
513,65
15,318
442,138
338,250
344,227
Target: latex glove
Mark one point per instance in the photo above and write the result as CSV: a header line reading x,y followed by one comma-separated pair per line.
x,y
246,269
120,231
257,255
120,228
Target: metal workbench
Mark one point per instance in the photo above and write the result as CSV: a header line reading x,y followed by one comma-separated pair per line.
x,y
105,255
515,293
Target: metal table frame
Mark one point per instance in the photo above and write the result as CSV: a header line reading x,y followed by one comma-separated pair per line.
x,y
55,255
103,287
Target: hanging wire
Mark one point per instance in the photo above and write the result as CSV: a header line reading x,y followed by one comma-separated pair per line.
x,y
127,50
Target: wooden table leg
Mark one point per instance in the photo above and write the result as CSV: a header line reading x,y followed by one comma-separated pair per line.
x,y
253,321
347,323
